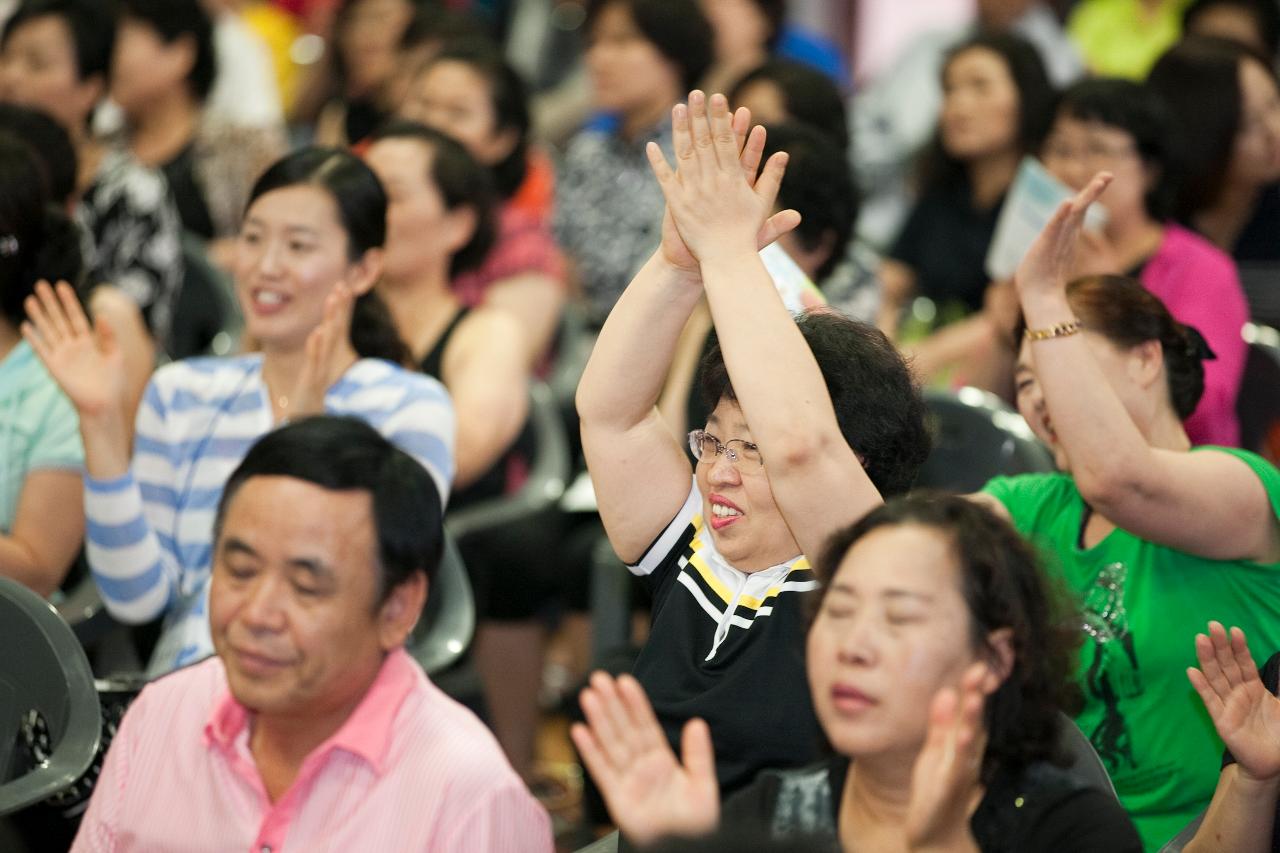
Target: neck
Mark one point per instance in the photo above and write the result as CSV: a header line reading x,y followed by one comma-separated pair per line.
x,y
1167,432
88,156
160,133
9,338
420,309
1223,221
876,794
1135,239
991,175
641,119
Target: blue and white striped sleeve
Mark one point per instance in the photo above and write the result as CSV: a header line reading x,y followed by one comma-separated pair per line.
x,y
424,426
135,569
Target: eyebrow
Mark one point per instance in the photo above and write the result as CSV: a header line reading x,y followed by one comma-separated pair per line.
x,y
313,566
294,229
892,594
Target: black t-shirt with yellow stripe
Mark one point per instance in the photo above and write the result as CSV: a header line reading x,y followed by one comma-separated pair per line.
x,y
728,647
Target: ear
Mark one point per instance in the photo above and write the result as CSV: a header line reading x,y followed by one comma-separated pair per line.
x,y
401,611
501,146
182,53
89,92
364,273
1146,363
460,227
1000,663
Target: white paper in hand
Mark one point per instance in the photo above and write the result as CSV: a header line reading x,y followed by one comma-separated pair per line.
x,y
1031,201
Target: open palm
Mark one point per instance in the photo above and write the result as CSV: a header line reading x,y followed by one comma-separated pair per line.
x,y
650,793
87,364
1245,713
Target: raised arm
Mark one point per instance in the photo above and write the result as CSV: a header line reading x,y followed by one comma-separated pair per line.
x,y
815,476
1247,717
134,574
1209,504
638,467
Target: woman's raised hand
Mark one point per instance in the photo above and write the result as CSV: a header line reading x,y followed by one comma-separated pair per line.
x,y
715,202
328,354
945,781
86,361
649,792
1245,713
1051,260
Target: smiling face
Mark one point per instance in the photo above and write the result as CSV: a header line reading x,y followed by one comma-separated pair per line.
x,y
293,603
979,107
893,629
1255,158
454,99
421,233
628,72
291,251
737,502
38,69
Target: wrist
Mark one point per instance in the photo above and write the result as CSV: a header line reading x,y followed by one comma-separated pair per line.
x,y
1252,783
959,841
678,275
106,444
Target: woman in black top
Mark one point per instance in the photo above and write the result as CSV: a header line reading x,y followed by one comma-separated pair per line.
x,y
1243,815
937,662
997,103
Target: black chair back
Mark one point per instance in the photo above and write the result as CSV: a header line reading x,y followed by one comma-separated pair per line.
x,y
50,722
448,621
1258,402
977,437
1085,762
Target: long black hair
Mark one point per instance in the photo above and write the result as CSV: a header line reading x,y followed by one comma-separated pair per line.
x,y
362,210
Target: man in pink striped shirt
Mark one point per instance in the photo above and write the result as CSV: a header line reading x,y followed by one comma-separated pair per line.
x,y
312,729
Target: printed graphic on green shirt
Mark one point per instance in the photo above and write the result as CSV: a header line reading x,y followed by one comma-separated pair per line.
x,y
1113,672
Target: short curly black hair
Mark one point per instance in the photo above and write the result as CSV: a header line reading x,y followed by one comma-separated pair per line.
x,y
1004,587
677,28
877,402
176,19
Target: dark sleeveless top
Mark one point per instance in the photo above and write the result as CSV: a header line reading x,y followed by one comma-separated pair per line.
x,y
432,363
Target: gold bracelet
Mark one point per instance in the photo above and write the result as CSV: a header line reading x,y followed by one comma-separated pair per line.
x,y
1059,331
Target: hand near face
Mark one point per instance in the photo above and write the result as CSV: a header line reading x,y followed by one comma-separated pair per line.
x,y
328,354
1096,255
650,793
1051,260
715,202
945,786
1245,713
86,362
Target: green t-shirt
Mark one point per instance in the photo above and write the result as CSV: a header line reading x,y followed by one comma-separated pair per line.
x,y
1121,38
1142,606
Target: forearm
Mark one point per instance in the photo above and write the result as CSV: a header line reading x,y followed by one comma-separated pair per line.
x,y
490,426
124,553
962,342
1240,818
20,562
1107,451
536,301
625,374
106,436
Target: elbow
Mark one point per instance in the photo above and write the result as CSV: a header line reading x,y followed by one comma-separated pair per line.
x,y
1107,486
796,452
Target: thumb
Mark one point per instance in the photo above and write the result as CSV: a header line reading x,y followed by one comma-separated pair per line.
x,y
107,340
782,222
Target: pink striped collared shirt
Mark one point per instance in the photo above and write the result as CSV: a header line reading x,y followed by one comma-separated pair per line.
x,y
409,770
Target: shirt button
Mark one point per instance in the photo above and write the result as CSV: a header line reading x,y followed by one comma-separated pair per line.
x,y
266,848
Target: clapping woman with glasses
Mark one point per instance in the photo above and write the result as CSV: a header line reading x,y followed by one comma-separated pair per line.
x,y
812,421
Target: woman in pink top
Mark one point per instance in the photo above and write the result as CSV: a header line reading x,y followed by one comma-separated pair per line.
x,y
1120,127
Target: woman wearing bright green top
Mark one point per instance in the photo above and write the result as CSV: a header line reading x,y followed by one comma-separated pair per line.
x,y
1153,538
1124,38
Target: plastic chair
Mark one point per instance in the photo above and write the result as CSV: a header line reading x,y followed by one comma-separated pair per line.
x,y
448,621
1085,762
607,844
47,700
206,318
548,474
1258,401
977,437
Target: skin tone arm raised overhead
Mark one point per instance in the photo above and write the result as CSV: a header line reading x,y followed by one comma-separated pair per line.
x,y
638,467
1208,504
816,478
1247,716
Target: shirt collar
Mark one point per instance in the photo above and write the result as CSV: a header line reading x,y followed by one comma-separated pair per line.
x,y
366,733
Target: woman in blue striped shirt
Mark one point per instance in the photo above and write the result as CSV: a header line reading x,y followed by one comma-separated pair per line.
x,y
307,256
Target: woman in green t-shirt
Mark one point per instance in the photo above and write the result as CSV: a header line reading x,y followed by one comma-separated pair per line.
x,y
1155,537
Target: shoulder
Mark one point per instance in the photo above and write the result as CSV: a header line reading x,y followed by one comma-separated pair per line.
x,y
675,538
1024,492
1048,808
1266,473
1183,247
373,385
209,379
485,326
181,697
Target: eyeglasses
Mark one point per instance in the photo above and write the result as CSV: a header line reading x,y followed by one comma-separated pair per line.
x,y
1092,152
706,447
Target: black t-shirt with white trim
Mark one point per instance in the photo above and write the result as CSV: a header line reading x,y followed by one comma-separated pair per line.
x,y
728,646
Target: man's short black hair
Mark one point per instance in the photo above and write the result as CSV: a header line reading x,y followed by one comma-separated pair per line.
x,y
677,28
819,184
877,403
175,19
344,453
92,24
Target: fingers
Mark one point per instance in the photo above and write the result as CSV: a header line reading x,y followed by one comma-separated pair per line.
x,y
72,309
752,152
1212,701
771,178
45,315
723,141
659,166
697,753
682,138
699,127
648,732
1243,657
608,719
741,126
1225,655
1089,194
598,765
782,222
